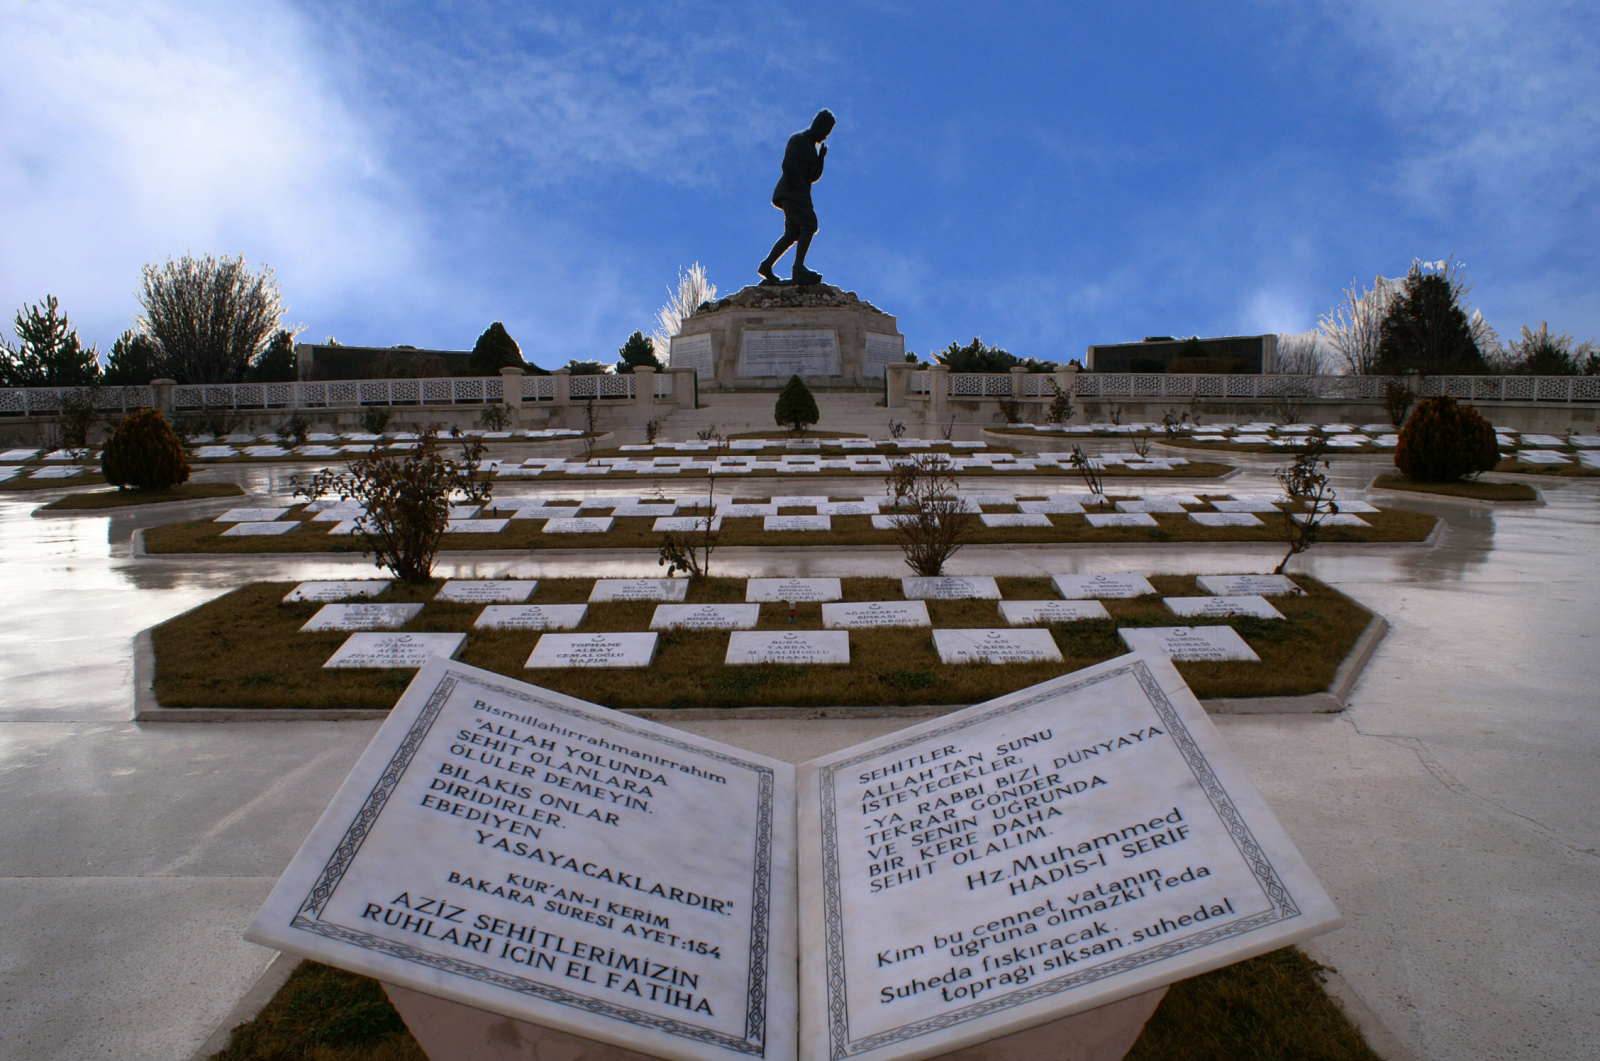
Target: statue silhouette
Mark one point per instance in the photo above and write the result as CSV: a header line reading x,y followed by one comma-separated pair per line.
x,y
802,167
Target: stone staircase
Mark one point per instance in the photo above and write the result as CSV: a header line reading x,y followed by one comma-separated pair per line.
x,y
736,412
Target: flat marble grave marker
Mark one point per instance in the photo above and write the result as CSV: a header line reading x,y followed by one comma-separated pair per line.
x,y
487,591
478,526
793,589
788,646
996,645
1025,612
865,614
1222,607
685,524
579,525
1104,587
797,523
562,651
250,530
336,591
1226,519
950,587
1247,585
394,650
1244,506
1120,519
705,616
1015,519
530,617
1203,643
1333,519
361,617
615,589
250,515
674,828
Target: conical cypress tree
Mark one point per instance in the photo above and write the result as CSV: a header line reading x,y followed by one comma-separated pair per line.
x,y
1426,329
796,408
494,350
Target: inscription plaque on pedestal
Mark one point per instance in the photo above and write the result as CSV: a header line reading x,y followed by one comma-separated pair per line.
x,y
694,351
789,352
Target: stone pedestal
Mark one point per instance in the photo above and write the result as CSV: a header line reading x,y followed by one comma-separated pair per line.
x,y
756,338
450,1031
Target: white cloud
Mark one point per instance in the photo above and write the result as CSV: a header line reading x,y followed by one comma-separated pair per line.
x,y
132,132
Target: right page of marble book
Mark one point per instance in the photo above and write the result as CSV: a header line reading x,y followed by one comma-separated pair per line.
x,y
1032,857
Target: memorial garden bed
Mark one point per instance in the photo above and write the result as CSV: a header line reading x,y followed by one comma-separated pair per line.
x,y
206,536
246,649
129,498
1476,489
1572,470
1272,1006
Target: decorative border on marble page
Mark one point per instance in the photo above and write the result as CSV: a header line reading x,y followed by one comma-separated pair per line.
x,y
309,916
1283,904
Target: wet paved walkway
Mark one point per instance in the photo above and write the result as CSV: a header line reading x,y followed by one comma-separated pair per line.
x,y
1450,811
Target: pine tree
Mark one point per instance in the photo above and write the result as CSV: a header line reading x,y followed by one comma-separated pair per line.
x,y
494,350
1426,329
796,408
49,354
276,363
135,360
636,352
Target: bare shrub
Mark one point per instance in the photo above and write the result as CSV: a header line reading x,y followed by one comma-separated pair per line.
x,y
407,498
931,523
1305,480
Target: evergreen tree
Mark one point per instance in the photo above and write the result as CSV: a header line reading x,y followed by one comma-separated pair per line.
x,y
49,354
494,350
1426,329
977,356
796,408
276,363
135,360
638,351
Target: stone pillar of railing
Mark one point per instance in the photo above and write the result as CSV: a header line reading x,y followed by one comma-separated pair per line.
x,y
563,386
938,393
1414,381
511,388
162,389
683,387
897,381
1067,379
1019,382
644,391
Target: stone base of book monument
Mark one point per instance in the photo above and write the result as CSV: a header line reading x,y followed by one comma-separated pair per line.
x,y
757,337
449,1031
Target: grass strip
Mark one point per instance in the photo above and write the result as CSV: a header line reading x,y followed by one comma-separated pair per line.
x,y
128,498
245,650
1269,1007
1473,488
1563,471
634,532
21,484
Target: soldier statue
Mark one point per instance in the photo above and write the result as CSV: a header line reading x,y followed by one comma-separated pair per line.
x,y
802,167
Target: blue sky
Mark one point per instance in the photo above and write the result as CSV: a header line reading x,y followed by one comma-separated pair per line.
x,y
1043,175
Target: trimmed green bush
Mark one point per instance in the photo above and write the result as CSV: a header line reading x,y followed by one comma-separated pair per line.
x,y
145,453
1443,442
796,408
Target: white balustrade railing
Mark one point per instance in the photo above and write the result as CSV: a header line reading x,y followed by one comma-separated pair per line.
x,y
48,401
336,394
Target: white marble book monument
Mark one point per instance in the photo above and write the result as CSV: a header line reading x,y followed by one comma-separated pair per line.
x,y
514,863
